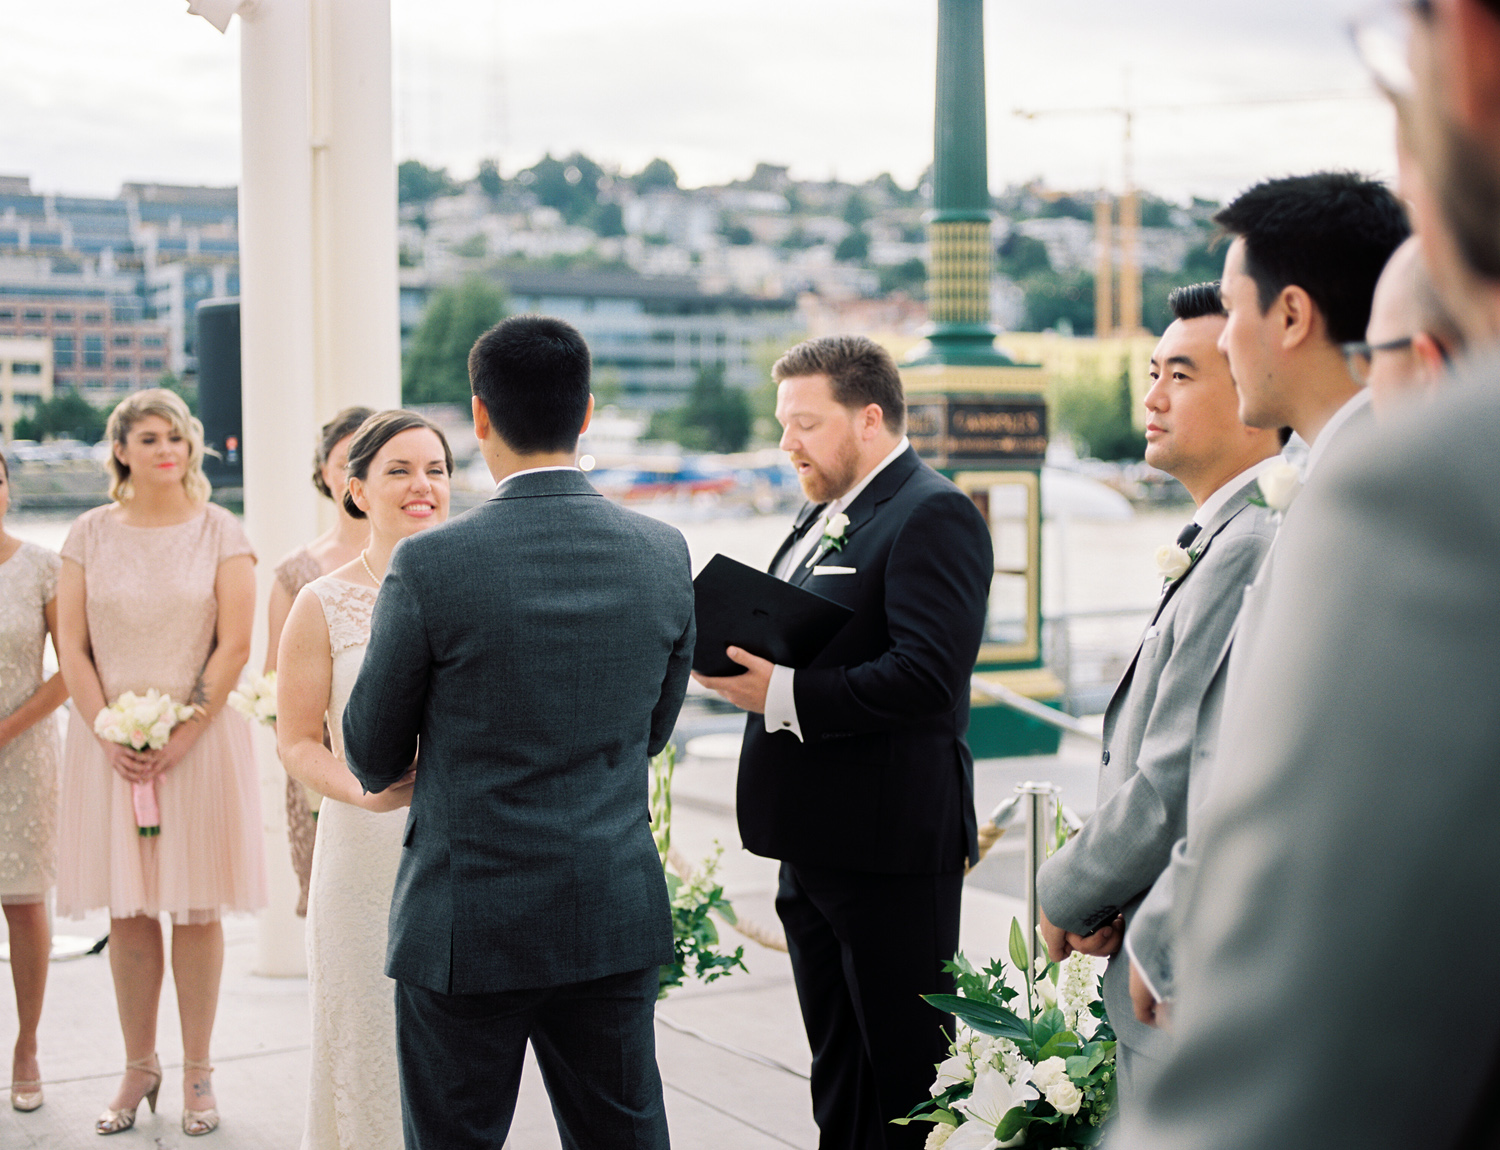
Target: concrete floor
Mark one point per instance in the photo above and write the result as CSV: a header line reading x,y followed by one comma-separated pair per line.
x,y
733,1056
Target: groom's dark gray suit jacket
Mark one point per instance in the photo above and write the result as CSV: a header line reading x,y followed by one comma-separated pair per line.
x,y
538,648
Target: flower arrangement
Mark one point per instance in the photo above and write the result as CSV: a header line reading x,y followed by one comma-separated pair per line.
x,y
1042,1079
695,939
142,722
255,698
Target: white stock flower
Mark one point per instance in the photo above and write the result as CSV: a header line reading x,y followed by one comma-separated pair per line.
x,y
1279,485
1172,561
835,526
938,1136
1078,988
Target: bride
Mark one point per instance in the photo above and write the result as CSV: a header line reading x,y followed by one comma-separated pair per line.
x,y
398,473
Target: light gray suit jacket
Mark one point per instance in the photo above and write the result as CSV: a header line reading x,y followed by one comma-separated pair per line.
x,y
1149,728
1342,941
1157,923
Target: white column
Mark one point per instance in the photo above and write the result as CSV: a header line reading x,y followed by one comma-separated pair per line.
x,y
277,351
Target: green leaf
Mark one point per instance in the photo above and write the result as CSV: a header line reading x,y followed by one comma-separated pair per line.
x,y
1018,949
985,1017
1015,1120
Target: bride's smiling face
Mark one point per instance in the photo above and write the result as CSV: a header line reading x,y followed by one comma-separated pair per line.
x,y
406,487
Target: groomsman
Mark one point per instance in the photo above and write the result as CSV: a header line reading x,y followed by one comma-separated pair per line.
x,y
855,772
1299,277
1194,433
1411,338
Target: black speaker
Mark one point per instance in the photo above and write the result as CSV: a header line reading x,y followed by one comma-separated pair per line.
x,y
219,390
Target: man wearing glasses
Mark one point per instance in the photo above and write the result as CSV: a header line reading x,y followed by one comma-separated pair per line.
x,y
1341,945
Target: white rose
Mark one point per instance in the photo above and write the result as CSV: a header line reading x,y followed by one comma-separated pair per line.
x,y
1172,561
1064,1097
836,526
1045,1074
265,708
158,735
1279,485
144,713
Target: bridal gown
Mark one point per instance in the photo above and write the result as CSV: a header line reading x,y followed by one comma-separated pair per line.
x,y
354,1097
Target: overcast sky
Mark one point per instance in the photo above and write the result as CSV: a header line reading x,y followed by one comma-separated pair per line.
x,y
93,92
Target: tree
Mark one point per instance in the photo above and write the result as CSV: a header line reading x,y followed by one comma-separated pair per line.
x,y
1097,413
188,395
738,234
436,368
856,211
714,418
608,220
658,175
909,276
571,186
416,183
855,247
64,416
1022,255
489,179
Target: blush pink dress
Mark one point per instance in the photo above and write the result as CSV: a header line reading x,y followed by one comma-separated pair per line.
x,y
152,616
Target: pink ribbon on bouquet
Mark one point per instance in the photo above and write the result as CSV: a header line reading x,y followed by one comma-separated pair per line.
x,y
147,814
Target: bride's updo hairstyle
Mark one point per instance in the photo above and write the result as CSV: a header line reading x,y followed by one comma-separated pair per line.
x,y
373,434
166,405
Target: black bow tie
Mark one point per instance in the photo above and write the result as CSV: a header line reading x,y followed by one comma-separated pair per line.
x,y
1186,536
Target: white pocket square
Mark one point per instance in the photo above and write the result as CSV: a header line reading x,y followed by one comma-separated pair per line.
x,y
821,570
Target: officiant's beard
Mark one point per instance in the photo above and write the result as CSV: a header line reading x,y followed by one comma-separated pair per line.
x,y
821,485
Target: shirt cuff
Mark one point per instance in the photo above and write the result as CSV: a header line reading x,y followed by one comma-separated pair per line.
x,y
781,703
1141,970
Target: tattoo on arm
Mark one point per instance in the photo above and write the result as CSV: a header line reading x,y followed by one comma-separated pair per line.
x,y
199,695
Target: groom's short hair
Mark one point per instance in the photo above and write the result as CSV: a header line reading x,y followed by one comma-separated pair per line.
x,y
531,372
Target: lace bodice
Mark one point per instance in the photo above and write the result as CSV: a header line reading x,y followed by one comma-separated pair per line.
x,y
347,608
28,581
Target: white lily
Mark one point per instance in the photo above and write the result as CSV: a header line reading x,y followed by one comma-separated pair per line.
x,y
993,1098
951,1071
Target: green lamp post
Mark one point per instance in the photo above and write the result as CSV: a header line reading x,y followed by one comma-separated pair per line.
x,y
973,412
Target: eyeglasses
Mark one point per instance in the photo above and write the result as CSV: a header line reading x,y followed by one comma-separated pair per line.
x,y
1359,355
1382,39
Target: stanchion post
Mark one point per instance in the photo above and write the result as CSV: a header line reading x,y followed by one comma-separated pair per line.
x,y
1038,799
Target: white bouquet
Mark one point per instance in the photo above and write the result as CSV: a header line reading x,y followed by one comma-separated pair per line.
x,y
142,722
1042,1076
255,698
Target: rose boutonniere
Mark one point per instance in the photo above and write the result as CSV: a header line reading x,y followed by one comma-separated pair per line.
x,y
1277,486
1173,561
833,531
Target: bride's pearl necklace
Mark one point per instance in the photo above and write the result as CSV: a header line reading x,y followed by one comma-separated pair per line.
x,y
364,562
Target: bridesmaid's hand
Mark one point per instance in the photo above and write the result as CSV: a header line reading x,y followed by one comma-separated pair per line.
x,y
393,798
132,766
183,736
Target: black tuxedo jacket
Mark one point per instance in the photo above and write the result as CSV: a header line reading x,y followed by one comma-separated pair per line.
x,y
884,780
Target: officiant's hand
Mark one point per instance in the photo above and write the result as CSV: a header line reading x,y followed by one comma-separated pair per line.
x,y
747,691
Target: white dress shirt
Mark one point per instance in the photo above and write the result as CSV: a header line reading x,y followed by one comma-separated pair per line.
x,y
533,471
781,700
1331,428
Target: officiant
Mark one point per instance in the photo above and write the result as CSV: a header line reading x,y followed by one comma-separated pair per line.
x,y
854,771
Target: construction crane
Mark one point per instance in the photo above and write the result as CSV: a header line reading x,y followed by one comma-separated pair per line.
x,y
1130,205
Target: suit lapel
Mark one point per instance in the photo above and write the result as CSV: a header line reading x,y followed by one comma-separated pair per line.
x,y
1236,504
863,509
805,518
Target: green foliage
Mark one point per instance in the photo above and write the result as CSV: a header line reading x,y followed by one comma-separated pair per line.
x,y
416,183
436,368
1073,207
738,234
571,185
489,179
658,175
1097,413
475,247
856,210
608,220
853,248
1052,298
716,417
66,415
1022,255
1155,212
188,395
910,277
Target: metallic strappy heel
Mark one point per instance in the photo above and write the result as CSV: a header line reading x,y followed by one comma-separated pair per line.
x,y
114,1121
197,1122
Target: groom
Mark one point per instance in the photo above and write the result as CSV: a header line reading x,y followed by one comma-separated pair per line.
x,y
537,648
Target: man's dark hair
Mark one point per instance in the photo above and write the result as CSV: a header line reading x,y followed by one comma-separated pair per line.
x,y
1196,301
1329,233
859,371
531,372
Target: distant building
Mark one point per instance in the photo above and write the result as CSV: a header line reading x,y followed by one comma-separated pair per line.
x,y
98,343
25,379
651,334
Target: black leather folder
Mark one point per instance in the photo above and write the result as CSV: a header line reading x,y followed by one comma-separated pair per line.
x,y
742,607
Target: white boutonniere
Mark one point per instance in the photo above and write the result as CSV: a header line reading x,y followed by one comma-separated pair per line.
x,y
1173,561
833,532
1278,486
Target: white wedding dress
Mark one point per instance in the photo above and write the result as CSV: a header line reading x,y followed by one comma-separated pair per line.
x,y
354,1096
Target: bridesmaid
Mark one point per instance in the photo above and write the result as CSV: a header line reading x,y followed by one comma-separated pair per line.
x,y
28,782
336,547
158,590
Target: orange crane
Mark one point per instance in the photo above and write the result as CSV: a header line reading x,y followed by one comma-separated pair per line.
x,y
1129,297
